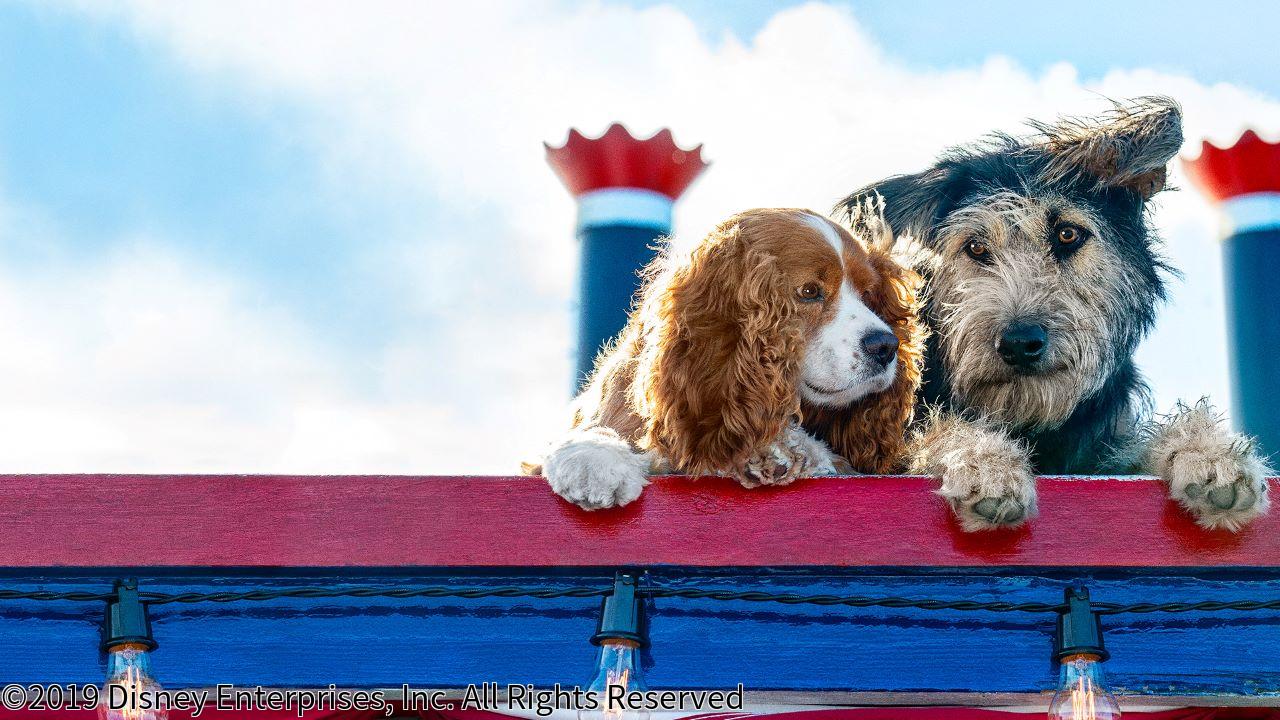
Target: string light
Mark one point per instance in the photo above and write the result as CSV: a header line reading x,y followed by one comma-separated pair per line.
x,y
1082,691
620,635
130,692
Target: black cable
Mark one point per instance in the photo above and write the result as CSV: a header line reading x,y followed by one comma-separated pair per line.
x,y
654,592
849,601
1175,607
421,592
75,596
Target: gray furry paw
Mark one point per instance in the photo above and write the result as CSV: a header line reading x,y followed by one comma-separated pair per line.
x,y
989,494
1212,472
986,475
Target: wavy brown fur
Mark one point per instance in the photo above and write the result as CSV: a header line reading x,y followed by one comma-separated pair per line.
x,y
720,370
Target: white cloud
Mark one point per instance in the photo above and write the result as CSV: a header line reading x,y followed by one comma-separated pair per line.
x,y
146,362
141,362
454,99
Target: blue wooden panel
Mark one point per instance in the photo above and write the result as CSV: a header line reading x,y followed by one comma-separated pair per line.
x,y
695,643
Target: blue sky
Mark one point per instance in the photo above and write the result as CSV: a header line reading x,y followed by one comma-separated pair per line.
x,y
1214,42
105,139
266,239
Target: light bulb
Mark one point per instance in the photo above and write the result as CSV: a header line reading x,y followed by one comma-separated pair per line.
x,y
617,673
131,692
1082,691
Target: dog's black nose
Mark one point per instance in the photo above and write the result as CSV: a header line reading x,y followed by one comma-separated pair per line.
x,y
1022,344
880,346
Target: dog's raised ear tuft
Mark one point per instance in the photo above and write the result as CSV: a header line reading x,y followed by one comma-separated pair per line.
x,y
911,204
1129,147
868,225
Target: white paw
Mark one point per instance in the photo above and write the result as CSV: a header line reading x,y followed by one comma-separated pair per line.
x,y
596,469
1222,487
795,454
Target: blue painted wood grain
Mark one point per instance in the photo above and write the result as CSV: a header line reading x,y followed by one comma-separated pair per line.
x,y
695,643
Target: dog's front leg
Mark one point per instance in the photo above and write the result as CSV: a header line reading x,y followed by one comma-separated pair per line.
x,y
794,454
985,474
1212,472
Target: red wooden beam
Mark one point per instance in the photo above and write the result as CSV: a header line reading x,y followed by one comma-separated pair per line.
x,y
369,521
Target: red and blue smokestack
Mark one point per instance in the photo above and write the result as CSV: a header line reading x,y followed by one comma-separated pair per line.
x,y
625,189
1244,181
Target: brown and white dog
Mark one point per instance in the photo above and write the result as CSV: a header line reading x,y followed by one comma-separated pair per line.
x,y
781,346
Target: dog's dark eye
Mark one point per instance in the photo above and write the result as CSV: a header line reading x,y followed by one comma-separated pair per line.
x,y
1069,235
809,292
978,250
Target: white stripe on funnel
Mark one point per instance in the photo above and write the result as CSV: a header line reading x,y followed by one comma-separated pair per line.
x,y
1251,212
634,207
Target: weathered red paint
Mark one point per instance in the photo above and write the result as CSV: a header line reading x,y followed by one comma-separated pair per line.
x,y
371,521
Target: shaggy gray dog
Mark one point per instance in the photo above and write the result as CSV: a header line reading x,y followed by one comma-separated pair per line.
x,y
1042,276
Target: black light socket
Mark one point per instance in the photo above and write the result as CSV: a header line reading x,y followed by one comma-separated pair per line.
x,y
621,617
1079,628
126,621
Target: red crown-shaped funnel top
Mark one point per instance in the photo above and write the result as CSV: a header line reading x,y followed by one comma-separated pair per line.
x,y
616,159
1252,165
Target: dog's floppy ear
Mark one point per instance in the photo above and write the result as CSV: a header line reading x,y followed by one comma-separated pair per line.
x,y
1128,147
912,204
719,372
